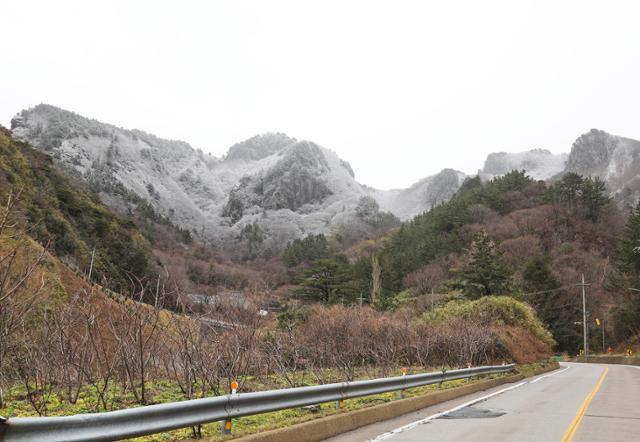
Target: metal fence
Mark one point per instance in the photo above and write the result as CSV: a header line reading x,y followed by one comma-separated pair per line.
x,y
132,422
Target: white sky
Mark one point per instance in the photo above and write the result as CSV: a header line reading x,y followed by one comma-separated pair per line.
x,y
399,89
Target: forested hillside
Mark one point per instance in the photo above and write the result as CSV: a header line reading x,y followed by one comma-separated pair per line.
x,y
71,221
514,236
510,236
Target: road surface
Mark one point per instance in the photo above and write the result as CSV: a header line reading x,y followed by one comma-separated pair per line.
x,y
578,402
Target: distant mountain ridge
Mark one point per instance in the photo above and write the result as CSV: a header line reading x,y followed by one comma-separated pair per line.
x,y
540,164
273,188
270,188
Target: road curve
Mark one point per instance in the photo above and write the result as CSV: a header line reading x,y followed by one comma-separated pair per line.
x,y
578,402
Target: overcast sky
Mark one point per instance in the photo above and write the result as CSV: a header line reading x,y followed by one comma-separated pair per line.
x,y
399,89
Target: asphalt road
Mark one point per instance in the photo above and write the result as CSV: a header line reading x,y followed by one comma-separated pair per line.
x,y
578,402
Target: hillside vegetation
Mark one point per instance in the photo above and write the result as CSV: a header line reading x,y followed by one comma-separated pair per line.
x,y
511,236
71,220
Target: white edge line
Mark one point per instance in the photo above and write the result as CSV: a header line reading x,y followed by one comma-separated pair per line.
x,y
414,424
434,416
549,375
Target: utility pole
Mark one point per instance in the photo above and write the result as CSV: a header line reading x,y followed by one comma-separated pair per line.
x,y
584,319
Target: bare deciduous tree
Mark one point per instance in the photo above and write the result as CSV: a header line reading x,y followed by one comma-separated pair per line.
x,y
20,284
137,329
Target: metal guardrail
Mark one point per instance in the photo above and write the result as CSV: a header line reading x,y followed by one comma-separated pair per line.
x,y
132,422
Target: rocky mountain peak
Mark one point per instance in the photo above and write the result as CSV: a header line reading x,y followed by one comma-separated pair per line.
x,y
592,152
296,179
614,159
259,147
540,164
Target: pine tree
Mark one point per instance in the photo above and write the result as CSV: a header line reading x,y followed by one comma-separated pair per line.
x,y
329,280
487,273
586,197
593,198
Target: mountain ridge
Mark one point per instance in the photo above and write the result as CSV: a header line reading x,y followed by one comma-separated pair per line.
x,y
283,187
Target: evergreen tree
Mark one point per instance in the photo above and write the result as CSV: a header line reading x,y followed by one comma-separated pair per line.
x,y
593,198
567,190
585,197
487,273
329,280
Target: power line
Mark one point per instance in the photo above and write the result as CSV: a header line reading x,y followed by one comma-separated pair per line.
x,y
585,329
566,287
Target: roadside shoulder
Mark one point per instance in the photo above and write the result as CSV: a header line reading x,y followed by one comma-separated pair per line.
x,y
326,427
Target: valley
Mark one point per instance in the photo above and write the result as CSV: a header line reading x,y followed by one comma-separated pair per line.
x,y
139,270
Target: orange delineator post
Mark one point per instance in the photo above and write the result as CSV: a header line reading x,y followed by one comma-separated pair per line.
x,y
226,428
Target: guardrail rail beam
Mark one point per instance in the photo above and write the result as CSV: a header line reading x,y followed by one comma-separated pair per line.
x,y
140,421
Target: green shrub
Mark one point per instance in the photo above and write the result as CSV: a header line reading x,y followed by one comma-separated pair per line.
x,y
493,310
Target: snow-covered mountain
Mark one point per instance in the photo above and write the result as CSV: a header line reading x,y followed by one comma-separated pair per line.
x,y
616,160
271,187
540,164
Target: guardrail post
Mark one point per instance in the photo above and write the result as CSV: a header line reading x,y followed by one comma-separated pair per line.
x,y
400,392
340,406
226,428
444,374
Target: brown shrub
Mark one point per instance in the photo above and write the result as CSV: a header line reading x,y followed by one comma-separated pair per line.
x,y
521,345
517,250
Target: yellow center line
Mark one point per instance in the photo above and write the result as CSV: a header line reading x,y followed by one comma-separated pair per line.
x,y
575,423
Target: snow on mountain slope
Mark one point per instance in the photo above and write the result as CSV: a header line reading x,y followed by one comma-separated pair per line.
x,y
422,196
616,160
270,188
540,164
